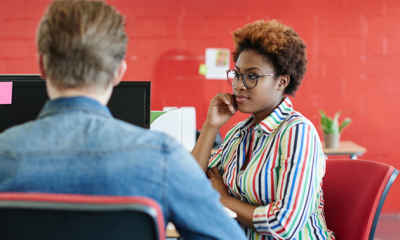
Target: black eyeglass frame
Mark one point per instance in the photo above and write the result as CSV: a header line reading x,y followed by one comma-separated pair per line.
x,y
242,74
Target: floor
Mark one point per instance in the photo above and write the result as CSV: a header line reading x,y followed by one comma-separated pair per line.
x,y
388,227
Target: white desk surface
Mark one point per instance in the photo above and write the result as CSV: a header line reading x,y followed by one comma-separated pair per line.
x,y
171,230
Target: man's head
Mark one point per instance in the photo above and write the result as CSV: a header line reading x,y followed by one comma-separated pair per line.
x,y
82,44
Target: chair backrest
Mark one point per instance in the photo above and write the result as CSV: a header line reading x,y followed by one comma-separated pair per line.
x,y
37,216
354,193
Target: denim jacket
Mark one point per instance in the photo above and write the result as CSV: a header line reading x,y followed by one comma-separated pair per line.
x,y
76,146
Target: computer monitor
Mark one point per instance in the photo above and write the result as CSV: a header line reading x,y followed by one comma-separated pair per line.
x,y
129,102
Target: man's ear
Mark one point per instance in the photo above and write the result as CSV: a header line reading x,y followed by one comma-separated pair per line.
x,y
120,73
39,60
283,82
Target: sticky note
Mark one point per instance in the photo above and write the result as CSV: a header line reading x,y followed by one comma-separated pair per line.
x,y
5,92
203,69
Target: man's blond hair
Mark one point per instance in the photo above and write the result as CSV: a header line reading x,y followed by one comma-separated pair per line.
x,y
82,43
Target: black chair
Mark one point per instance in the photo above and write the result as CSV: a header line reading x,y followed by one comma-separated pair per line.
x,y
38,216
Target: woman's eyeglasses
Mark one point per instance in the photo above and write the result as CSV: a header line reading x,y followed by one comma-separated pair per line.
x,y
249,79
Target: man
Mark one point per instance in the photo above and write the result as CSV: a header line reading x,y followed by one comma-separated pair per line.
x,y
76,146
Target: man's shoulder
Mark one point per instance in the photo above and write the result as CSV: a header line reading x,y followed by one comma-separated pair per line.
x,y
140,136
108,135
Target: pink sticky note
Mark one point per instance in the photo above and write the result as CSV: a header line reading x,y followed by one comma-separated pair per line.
x,y
5,92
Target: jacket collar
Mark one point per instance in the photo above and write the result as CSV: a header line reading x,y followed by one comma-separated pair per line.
x,y
74,104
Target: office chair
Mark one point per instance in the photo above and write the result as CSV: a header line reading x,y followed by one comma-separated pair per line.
x,y
354,193
67,216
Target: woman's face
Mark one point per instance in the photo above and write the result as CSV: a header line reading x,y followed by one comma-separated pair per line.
x,y
266,95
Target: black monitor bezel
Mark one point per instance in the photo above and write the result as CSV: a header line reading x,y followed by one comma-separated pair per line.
x,y
33,80
19,77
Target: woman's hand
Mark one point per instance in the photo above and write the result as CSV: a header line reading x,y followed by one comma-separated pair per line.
x,y
243,210
221,109
218,183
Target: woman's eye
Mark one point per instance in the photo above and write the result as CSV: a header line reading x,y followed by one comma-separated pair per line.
x,y
253,76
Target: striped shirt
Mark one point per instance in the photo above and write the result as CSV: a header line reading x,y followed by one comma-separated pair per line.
x,y
283,177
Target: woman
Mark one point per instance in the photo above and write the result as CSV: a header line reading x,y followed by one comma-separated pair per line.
x,y
270,167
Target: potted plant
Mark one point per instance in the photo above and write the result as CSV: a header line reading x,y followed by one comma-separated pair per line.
x,y
332,129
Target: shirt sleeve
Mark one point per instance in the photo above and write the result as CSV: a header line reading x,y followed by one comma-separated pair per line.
x,y
300,178
194,205
216,158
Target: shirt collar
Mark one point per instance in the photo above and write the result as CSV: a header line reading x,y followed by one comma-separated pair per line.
x,y
74,104
272,122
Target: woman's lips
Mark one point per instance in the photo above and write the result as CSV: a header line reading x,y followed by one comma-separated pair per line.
x,y
240,99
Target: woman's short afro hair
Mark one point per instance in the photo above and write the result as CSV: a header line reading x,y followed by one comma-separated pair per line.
x,y
281,46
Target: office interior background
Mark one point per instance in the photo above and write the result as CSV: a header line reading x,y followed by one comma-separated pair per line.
x,y
353,50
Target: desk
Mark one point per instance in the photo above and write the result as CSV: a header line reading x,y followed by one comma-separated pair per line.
x,y
345,148
171,232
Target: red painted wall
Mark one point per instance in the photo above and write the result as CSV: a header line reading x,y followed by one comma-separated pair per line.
x,y
353,50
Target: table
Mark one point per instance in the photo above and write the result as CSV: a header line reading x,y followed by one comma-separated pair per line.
x,y
345,148
171,232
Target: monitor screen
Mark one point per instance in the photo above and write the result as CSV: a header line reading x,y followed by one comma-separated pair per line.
x,y
129,102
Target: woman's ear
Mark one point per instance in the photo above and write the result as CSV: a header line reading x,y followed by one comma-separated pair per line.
x,y
283,82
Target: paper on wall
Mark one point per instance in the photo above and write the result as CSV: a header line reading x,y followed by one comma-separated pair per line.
x,y
217,62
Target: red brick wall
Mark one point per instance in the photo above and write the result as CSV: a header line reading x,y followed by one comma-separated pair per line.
x,y
353,50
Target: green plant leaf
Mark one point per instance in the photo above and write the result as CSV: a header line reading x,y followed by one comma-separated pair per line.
x,y
325,129
335,122
330,125
344,124
326,122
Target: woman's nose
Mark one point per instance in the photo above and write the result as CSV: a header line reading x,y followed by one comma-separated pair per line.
x,y
239,85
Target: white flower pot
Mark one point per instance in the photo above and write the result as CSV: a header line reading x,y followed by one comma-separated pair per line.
x,y
332,140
